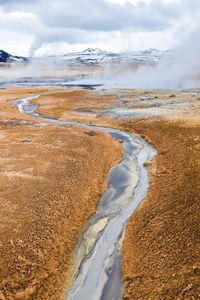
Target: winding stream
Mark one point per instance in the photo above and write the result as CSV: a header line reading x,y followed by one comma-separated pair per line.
x,y
96,266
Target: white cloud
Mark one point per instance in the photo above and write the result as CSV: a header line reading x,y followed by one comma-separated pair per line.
x,y
114,24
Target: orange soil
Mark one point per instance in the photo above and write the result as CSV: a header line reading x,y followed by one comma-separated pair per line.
x,y
161,248
62,105
8,109
49,188
161,253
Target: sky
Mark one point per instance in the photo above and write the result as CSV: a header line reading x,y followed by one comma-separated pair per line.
x,y
41,27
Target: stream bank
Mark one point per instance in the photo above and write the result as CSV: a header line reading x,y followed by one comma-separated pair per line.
x,y
97,257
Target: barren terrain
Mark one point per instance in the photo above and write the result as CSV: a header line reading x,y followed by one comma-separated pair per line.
x,y
161,247
161,252
51,179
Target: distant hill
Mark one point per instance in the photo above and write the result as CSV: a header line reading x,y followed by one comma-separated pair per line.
x,y
98,56
8,58
93,56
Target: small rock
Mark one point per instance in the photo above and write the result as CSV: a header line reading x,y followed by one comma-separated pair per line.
x,y
172,96
60,142
195,269
91,133
26,140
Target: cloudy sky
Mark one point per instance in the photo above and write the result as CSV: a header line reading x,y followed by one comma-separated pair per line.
x,y
37,27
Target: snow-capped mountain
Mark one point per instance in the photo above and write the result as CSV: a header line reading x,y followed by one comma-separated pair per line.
x,y
98,56
8,58
90,56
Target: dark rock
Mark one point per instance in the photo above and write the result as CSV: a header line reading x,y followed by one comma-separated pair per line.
x,y
26,140
195,270
91,133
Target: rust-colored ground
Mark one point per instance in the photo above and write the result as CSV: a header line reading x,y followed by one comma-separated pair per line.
x,y
64,105
48,189
161,251
9,110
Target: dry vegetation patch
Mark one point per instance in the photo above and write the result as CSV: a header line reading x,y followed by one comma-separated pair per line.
x,y
51,179
161,248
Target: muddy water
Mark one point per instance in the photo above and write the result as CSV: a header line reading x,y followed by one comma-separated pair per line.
x,y
96,266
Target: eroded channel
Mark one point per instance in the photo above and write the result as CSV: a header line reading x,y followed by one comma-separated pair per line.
x,y
96,266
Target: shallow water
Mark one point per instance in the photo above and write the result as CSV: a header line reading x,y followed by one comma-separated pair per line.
x,y
96,266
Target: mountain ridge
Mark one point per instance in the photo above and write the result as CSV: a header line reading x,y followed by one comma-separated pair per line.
x,y
91,56
6,57
96,56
